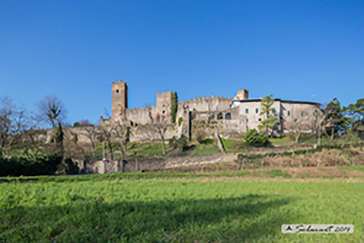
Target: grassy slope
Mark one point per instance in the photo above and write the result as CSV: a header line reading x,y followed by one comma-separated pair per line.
x,y
150,211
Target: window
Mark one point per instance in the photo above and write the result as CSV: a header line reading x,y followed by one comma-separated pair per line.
x,y
301,113
117,91
256,110
288,113
246,110
274,110
228,116
260,119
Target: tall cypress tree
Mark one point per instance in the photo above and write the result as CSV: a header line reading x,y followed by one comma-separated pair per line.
x,y
59,140
174,106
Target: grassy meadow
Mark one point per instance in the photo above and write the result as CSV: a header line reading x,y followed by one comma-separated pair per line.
x,y
175,208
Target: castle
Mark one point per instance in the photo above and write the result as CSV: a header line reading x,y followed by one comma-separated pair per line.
x,y
228,115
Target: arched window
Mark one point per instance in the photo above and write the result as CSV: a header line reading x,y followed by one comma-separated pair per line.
x,y
219,116
228,116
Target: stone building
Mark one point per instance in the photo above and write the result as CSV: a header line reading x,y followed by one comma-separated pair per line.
x,y
213,113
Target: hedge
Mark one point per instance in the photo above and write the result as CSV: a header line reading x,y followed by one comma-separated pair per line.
x,y
41,165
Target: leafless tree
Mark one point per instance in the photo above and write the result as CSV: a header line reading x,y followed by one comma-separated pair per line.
x,y
92,133
160,126
105,134
316,122
297,127
13,122
121,132
73,148
50,110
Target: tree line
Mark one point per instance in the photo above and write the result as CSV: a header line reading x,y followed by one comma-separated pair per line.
x,y
331,120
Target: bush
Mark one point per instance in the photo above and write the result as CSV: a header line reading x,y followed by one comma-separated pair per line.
x,y
252,137
41,165
201,136
180,144
173,143
76,124
180,121
68,167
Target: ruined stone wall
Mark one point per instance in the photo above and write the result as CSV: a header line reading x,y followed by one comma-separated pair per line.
x,y
147,133
141,115
223,127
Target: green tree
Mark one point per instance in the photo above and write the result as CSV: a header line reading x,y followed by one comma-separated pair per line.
x,y
253,137
335,117
356,112
59,140
270,121
174,106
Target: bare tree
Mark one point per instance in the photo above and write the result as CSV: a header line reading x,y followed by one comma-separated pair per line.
x,y
13,122
160,126
297,127
73,147
316,122
92,133
122,131
105,136
105,133
51,110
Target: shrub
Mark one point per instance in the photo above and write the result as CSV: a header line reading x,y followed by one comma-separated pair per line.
x,y
173,143
68,167
180,143
201,136
212,117
180,121
41,165
252,137
76,124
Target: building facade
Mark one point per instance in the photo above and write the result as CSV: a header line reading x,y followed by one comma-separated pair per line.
x,y
225,114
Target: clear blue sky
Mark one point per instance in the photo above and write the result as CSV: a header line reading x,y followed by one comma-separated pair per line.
x,y
296,50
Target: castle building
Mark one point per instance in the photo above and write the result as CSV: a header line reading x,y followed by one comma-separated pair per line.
x,y
235,115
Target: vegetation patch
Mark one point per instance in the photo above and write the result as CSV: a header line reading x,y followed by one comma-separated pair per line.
x,y
179,211
278,173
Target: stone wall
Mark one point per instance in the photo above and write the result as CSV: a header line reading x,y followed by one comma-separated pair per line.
x,y
175,162
141,115
223,127
147,133
205,104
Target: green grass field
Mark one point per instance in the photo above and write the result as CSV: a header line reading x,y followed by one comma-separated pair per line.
x,y
112,208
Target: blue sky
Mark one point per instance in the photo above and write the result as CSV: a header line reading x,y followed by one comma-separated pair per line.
x,y
295,50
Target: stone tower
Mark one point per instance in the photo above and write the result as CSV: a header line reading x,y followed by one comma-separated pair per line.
x,y
119,99
242,95
164,102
